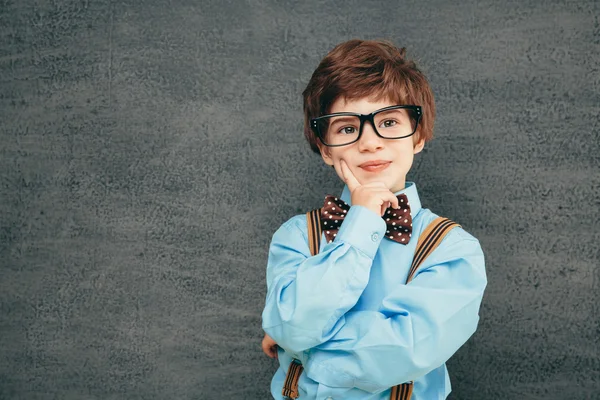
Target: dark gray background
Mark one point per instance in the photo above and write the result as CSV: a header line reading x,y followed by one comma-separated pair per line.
x,y
133,134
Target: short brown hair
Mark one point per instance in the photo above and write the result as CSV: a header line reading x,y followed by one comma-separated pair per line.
x,y
375,69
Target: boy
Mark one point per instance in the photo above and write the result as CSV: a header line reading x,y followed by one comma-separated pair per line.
x,y
349,319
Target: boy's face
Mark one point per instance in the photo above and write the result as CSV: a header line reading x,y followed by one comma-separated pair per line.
x,y
396,155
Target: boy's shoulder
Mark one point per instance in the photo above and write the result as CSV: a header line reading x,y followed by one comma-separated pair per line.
x,y
426,216
297,223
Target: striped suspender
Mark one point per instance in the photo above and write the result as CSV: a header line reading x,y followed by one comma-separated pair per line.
x,y
290,386
429,239
402,392
314,230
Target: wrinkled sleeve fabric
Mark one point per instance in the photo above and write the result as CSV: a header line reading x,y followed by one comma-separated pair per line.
x,y
417,328
307,296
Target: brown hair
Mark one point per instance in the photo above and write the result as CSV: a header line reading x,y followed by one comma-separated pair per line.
x,y
375,69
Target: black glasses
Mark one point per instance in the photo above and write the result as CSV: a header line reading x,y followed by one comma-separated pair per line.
x,y
343,128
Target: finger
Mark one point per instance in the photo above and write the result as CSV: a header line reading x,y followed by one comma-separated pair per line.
x,y
269,350
266,346
384,207
394,201
387,200
349,177
376,185
383,193
266,350
275,355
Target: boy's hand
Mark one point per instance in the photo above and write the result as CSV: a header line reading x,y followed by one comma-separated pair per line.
x,y
269,346
375,195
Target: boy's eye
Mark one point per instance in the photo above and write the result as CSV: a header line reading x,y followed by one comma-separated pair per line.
x,y
388,123
348,130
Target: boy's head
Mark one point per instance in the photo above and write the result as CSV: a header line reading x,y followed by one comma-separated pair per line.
x,y
361,76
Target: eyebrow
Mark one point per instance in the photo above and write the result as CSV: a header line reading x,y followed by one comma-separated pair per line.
x,y
342,118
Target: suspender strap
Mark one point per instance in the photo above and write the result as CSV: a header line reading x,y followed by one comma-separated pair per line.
x,y
402,392
290,386
429,240
313,218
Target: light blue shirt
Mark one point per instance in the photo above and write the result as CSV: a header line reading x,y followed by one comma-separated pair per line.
x,y
351,320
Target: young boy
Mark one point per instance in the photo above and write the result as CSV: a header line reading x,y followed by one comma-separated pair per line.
x,y
353,321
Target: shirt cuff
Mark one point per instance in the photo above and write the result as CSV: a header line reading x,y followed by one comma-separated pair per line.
x,y
363,229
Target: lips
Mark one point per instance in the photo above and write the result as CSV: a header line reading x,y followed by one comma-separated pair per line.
x,y
375,166
374,163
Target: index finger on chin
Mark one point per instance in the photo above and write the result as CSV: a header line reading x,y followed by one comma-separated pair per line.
x,y
349,177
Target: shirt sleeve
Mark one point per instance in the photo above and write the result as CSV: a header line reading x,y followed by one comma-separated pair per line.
x,y
418,327
307,296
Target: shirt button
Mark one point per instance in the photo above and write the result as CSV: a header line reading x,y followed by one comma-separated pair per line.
x,y
375,237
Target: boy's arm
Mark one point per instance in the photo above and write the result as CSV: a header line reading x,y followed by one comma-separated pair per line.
x,y
307,296
416,330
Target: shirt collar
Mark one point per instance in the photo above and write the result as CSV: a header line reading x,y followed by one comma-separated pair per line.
x,y
410,190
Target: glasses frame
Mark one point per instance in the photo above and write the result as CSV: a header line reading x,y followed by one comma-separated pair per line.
x,y
366,117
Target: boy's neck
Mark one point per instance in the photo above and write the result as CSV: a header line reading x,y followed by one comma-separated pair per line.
x,y
400,187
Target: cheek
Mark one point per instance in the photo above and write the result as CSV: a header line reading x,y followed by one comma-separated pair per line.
x,y
334,155
326,154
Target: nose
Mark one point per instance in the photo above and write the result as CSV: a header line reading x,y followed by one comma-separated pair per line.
x,y
369,140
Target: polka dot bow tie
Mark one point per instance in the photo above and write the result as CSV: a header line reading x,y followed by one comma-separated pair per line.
x,y
398,221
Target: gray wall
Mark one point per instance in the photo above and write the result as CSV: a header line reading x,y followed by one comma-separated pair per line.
x,y
133,134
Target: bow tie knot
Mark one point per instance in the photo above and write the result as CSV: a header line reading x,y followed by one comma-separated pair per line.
x,y
398,221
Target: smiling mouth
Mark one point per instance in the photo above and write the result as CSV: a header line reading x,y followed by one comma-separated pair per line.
x,y
375,167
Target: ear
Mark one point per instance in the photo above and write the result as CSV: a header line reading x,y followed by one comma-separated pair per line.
x,y
418,146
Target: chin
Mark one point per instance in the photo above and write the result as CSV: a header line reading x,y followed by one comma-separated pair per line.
x,y
385,180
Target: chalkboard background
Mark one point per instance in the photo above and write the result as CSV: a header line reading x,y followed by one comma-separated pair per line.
x,y
144,145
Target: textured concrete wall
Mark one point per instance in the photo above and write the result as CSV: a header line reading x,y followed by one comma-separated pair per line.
x,y
132,134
